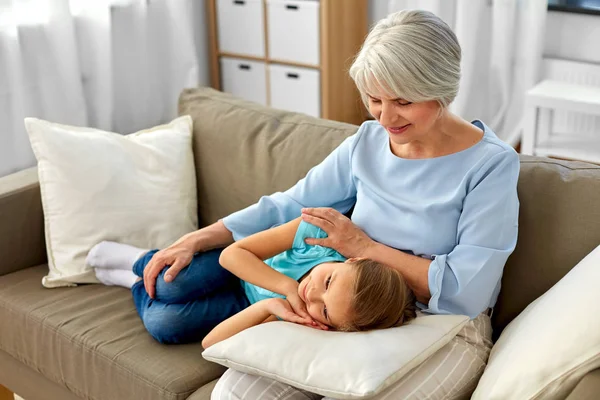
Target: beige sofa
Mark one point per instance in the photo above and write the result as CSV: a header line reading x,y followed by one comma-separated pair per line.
x,y
88,342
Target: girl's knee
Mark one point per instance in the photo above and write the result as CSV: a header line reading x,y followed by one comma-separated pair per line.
x,y
173,292
165,326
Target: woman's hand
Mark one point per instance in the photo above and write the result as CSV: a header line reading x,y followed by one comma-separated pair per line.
x,y
178,256
343,236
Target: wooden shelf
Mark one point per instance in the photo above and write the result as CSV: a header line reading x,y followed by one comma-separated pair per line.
x,y
293,64
241,56
343,26
268,60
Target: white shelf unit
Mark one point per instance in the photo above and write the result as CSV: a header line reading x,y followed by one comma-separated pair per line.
x,y
303,48
548,97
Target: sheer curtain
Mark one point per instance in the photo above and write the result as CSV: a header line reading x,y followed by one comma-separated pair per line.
x,y
502,43
113,65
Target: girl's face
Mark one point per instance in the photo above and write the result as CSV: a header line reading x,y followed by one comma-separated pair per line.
x,y
404,121
327,291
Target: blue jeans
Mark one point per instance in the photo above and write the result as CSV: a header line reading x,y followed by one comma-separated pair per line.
x,y
200,297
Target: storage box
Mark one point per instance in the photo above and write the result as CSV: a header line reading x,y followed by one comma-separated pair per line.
x,y
295,89
245,79
241,27
293,31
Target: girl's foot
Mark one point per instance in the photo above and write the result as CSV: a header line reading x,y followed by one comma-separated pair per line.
x,y
116,277
113,255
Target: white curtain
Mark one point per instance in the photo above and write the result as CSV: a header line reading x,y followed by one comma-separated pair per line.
x,y
114,65
502,44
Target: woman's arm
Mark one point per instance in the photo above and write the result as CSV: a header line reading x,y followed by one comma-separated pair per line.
x,y
467,280
245,258
328,184
256,314
210,237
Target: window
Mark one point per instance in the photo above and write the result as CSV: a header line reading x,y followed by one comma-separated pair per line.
x,y
578,6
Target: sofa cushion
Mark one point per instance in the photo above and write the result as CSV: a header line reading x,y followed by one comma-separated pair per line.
x,y
546,350
244,150
91,340
92,181
558,226
372,361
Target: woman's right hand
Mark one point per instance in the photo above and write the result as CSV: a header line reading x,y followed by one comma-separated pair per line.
x,y
177,256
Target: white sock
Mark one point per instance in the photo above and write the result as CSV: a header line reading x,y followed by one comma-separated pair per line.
x,y
113,255
116,277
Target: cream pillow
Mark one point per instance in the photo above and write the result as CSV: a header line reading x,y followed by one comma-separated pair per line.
x,y
552,344
138,189
338,364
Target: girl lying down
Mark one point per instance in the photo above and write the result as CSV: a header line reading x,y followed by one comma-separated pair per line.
x,y
297,282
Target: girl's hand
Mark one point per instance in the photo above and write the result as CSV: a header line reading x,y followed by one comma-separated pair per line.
x,y
299,307
343,236
283,309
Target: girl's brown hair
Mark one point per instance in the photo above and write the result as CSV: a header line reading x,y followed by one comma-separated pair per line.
x,y
382,299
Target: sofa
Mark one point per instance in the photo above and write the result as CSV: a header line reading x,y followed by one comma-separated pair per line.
x,y
87,342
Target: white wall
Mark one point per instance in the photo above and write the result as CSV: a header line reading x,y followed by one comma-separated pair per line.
x,y
573,36
569,36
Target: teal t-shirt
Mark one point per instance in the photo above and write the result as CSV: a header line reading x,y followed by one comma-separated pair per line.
x,y
296,261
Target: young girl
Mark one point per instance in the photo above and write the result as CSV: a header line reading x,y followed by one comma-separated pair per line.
x,y
306,284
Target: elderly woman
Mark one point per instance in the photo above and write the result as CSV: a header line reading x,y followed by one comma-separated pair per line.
x,y
434,197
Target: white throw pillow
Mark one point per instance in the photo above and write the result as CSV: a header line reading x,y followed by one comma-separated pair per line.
x,y
138,189
342,365
552,344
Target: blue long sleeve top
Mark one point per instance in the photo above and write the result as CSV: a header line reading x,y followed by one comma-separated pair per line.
x,y
459,210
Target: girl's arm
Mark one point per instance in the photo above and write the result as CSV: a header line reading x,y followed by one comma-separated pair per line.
x,y
264,311
245,258
256,314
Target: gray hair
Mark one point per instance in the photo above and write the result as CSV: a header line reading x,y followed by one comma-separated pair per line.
x,y
411,54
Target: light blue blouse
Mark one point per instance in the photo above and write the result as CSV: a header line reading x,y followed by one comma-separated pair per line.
x,y
459,210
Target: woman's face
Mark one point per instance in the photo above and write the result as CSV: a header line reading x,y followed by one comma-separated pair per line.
x,y
328,291
404,121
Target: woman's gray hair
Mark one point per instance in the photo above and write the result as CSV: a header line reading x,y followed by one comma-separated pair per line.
x,y
411,54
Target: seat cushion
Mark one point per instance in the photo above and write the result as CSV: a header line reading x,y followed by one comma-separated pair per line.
x,y
91,340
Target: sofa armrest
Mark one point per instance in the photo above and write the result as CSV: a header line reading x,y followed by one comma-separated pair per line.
x,y
22,243
588,387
